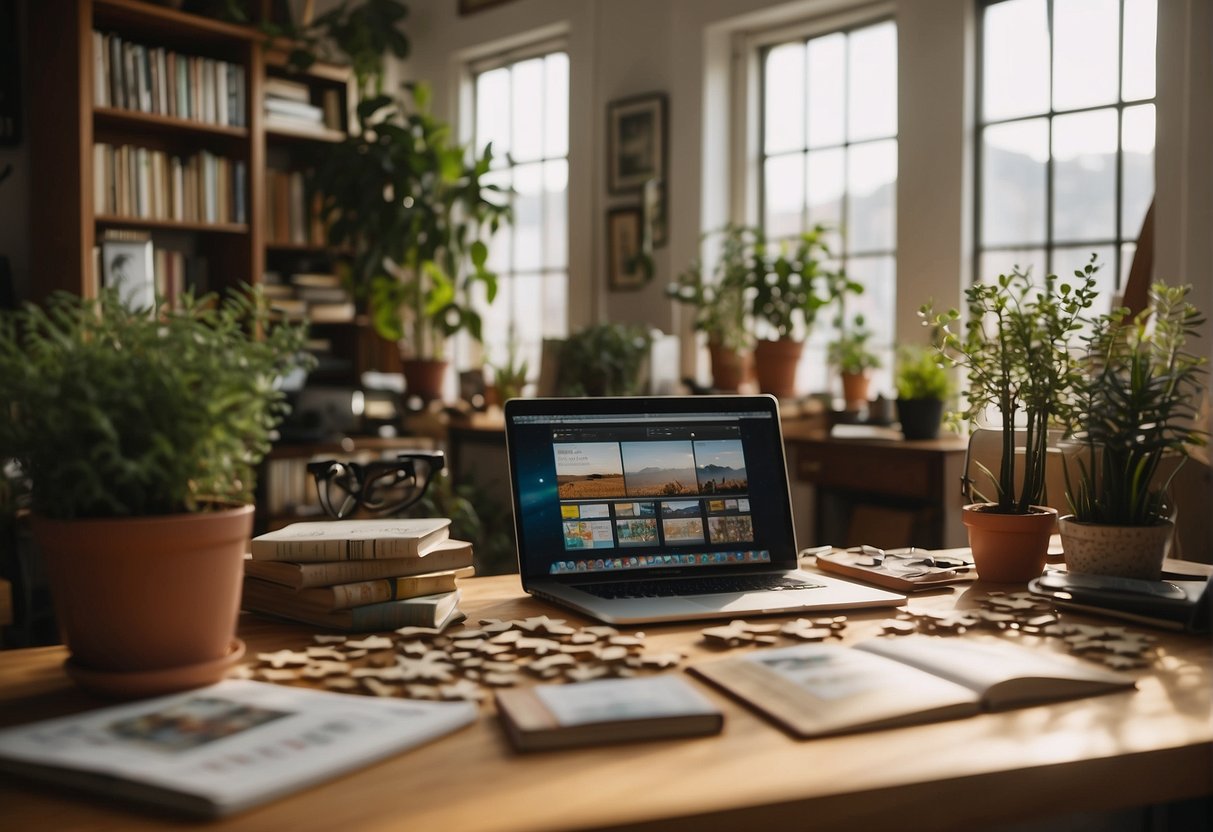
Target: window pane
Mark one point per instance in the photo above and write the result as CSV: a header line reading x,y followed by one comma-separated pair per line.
x,y
994,263
1137,188
555,214
871,183
1084,170
827,71
501,246
1015,64
784,105
528,216
493,111
1141,34
825,185
878,305
1013,170
872,83
556,105
784,195
1085,46
555,323
528,86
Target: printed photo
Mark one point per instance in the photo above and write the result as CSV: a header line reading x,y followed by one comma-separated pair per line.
x,y
588,534
595,510
192,723
683,531
716,506
659,468
570,512
743,506
720,466
731,529
680,508
636,532
588,470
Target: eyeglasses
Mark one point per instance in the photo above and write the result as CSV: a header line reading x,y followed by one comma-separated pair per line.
x,y
908,561
383,487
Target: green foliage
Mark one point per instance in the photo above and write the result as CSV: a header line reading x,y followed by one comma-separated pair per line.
x,y
1014,347
849,352
1134,406
791,284
719,299
412,206
603,360
112,412
511,375
920,375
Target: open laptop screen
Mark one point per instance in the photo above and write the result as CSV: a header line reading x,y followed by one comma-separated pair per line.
x,y
648,486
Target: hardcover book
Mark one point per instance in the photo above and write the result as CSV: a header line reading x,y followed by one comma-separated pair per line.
x,y
224,748
605,711
351,539
436,611
446,554
347,596
816,690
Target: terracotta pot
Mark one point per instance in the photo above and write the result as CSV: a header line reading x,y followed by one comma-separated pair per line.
x,y
425,377
156,596
920,418
775,364
1121,551
1009,548
855,390
729,367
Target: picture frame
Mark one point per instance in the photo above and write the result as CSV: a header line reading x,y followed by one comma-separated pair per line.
x,y
636,141
628,266
128,266
655,213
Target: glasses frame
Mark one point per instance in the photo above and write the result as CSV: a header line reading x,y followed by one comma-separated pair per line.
x,y
366,486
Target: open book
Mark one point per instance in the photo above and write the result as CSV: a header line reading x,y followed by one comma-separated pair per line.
x,y
819,689
223,748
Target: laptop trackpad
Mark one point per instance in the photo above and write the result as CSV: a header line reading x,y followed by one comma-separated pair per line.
x,y
730,601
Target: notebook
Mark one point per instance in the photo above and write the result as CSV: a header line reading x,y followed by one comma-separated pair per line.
x,y
671,508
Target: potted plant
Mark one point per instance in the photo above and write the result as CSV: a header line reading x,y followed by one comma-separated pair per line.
x,y
511,375
850,355
786,290
604,360
923,386
1014,347
719,302
137,436
413,208
1132,427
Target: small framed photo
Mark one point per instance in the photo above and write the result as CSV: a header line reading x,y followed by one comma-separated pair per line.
x,y
127,265
636,141
628,267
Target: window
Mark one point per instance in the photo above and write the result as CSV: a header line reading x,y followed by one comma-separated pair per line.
x,y
1066,135
829,155
522,107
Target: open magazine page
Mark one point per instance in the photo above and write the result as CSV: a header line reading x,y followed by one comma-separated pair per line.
x,y
226,747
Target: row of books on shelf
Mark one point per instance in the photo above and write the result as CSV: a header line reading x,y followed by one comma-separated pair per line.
x,y
291,216
152,79
128,261
289,104
142,183
316,297
359,575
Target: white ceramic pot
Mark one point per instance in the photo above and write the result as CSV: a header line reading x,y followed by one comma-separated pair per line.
x,y
1122,551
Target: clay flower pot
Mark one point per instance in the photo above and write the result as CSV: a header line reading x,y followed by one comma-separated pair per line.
x,y
729,367
425,377
147,605
855,390
1120,551
775,364
1009,548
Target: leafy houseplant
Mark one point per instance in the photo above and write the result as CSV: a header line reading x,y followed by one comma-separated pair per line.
x,y
128,427
1014,347
850,355
603,360
1131,416
923,386
511,375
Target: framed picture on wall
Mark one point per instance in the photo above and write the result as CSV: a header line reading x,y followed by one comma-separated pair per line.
x,y
628,266
636,141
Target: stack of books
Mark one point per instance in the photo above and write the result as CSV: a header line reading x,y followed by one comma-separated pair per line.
x,y
288,105
359,575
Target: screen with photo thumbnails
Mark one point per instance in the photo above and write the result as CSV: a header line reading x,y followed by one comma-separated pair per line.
x,y
673,493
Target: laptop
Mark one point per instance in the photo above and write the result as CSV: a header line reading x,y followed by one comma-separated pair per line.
x,y
670,508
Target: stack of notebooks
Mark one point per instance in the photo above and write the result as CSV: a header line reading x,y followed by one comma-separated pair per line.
x,y
359,575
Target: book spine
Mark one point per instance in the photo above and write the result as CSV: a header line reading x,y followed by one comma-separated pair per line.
x,y
300,550
345,596
345,572
390,615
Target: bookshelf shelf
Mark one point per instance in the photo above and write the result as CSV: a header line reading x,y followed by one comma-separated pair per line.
x,y
121,119
112,221
160,21
311,134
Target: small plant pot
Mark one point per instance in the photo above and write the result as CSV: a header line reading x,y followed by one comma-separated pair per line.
x,y
1120,551
775,364
920,418
147,605
729,367
1009,548
425,377
855,390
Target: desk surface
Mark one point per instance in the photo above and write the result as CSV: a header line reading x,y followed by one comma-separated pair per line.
x,y
1107,752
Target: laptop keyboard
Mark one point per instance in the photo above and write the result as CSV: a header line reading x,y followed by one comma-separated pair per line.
x,y
674,587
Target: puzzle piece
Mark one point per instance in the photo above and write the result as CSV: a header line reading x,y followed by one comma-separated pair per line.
x,y
733,634
898,627
329,639
805,629
379,688
325,653
273,674
283,658
464,689
414,632
321,669
371,643
431,667
587,672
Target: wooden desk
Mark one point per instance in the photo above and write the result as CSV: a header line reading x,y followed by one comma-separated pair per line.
x,y
885,492
1120,750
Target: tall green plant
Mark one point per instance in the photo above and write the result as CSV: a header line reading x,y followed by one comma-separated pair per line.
x,y
414,208
790,283
1133,408
114,412
719,297
1015,349
603,360
920,375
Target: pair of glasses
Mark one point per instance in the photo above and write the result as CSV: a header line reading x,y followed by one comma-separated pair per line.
x,y
384,487
908,558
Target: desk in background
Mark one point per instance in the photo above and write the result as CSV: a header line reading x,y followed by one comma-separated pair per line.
x,y
1108,752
